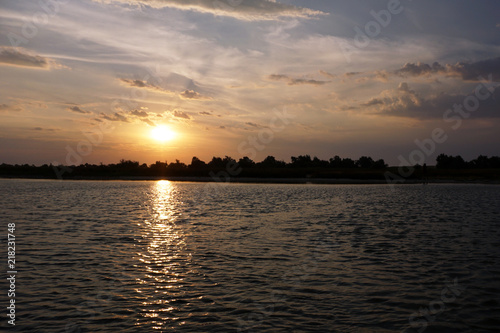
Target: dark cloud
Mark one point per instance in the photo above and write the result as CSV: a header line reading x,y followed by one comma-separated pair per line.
x,y
467,71
77,109
6,108
405,102
472,71
252,124
139,113
294,81
191,94
248,10
115,117
44,129
420,69
328,75
205,113
144,85
14,57
180,114
373,101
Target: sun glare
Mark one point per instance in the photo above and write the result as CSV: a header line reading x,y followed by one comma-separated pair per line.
x,y
162,133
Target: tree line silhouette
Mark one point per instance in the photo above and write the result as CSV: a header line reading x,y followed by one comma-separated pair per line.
x,y
457,162
302,166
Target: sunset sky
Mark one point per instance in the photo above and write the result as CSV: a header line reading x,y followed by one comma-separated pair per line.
x,y
350,78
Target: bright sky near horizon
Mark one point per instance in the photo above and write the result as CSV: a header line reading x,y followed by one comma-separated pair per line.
x,y
92,81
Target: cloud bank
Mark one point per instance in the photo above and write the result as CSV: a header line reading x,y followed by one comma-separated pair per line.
x,y
467,71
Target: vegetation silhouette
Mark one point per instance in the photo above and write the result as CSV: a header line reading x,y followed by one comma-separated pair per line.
x,y
302,166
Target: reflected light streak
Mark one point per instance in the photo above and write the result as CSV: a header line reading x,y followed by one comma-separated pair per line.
x,y
163,258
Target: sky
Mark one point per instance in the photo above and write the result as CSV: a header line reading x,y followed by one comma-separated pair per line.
x,y
93,81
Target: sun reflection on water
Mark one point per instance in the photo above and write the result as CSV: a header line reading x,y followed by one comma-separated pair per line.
x,y
163,258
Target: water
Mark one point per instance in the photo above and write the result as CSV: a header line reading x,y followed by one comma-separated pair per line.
x,y
193,257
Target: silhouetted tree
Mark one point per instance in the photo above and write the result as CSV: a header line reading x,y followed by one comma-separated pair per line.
x,y
380,164
336,162
302,161
246,162
450,162
365,162
216,163
271,162
317,163
196,163
348,163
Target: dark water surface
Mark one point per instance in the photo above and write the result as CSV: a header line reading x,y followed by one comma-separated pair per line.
x,y
192,257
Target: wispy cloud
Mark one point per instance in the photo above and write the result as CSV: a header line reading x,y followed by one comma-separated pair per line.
x,y
247,10
139,113
77,109
7,108
181,114
115,117
291,81
10,56
149,122
45,129
145,85
191,94
328,75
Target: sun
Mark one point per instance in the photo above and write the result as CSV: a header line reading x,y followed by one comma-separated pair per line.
x,y
162,133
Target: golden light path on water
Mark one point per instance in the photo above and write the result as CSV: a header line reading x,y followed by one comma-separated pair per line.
x,y
163,258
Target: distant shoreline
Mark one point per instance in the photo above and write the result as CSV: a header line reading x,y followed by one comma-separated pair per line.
x,y
261,180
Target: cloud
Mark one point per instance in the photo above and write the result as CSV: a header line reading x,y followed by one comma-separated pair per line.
x,y
328,75
294,81
191,94
149,122
205,113
145,85
10,56
181,114
373,101
405,102
139,113
420,69
252,124
467,71
7,108
44,129
247,10
115,117
77,109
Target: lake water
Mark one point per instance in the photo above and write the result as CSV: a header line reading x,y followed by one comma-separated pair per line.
x,y
195,257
